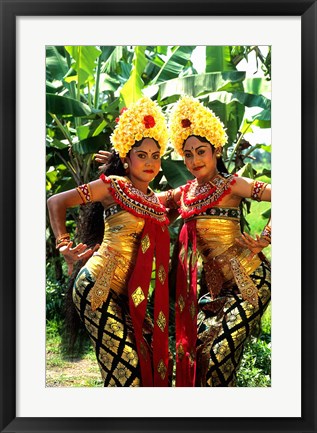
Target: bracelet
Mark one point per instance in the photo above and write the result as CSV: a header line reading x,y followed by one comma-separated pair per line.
x,y
85,193
257,189
266,233
62,244
62,240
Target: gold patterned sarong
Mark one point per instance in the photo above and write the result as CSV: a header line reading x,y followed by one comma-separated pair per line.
x,y
239,292
100,297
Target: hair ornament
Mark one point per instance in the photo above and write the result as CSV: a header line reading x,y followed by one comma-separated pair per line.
x,y
142,119
191,117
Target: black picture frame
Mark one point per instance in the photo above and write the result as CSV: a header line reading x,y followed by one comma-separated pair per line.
x,y
9,11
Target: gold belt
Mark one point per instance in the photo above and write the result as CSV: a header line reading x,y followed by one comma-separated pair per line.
x,y
100,291
217,270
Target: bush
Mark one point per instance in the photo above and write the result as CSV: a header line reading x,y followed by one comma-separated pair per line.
x,y
55,298
255,368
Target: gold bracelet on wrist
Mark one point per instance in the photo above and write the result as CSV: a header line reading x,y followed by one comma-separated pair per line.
x,y
62,244
62,240
266,234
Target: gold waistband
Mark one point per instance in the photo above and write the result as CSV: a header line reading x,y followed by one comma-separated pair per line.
x,y
109,261
232,267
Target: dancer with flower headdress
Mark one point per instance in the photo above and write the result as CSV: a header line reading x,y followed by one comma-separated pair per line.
x,y
111,290
237,273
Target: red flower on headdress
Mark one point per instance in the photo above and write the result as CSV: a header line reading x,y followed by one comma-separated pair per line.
x,y
186,123
148,121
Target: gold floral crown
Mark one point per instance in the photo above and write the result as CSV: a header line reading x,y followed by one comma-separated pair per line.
x,y
143,119
190,117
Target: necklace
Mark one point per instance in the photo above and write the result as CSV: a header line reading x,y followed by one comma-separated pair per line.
x,y
135,201
197,198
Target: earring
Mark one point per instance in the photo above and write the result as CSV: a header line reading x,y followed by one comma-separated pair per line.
x,y
218,155
125,165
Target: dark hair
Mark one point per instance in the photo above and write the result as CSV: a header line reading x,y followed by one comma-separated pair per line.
x,y
114,166
220,164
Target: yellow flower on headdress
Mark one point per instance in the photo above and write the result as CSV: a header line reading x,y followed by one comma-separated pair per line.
x,y
191,117
143,119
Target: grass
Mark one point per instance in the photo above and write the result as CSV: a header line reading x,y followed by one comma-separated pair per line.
x,y
255,368
64,370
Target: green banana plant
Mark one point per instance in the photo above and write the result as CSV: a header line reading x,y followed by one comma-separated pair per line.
x,y
88,85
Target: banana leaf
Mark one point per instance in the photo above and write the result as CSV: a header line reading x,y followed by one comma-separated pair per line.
x,y
175,172
257,86
132,89
56,64
91,144
199,84
177,60
246,99
62,105
84,61
218,58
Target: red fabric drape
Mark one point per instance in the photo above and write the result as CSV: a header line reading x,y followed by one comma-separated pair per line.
x,y
155,241
186,307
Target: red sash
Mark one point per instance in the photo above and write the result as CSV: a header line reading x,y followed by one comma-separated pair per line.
x,y
186,307
155,241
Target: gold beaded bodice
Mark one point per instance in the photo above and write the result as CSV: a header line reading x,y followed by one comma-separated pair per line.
x,y
216,235
118,250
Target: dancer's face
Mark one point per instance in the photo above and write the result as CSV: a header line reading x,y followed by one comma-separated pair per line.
x,y
144,162
200,159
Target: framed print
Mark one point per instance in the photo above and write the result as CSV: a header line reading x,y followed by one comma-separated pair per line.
x,y
289,27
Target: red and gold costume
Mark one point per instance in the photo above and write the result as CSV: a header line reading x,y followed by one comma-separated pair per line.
x,y
111,290
238,288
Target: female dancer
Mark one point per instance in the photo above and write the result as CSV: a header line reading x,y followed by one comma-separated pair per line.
x,y
110,290
237,273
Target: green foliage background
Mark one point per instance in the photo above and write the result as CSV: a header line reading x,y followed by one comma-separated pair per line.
x,y
86,86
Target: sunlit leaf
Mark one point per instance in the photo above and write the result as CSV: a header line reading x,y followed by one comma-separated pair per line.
x,y
257,86
199,84
84,60
218,58
267,148
176,61
132,90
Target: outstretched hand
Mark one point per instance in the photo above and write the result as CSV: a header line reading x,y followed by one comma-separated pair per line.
x,y
102,156
254,245
73,255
